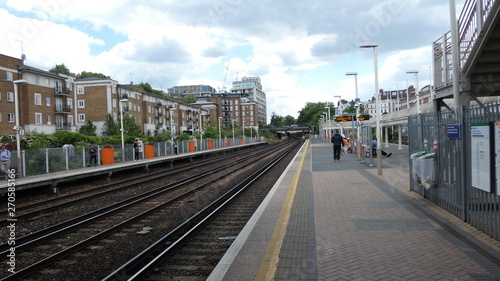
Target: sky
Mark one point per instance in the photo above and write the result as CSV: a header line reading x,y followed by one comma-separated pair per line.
x,y
301,50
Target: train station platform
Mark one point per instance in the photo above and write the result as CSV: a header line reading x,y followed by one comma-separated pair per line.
x,y
326,220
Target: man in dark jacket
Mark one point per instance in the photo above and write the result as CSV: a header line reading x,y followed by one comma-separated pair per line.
x,y
337,141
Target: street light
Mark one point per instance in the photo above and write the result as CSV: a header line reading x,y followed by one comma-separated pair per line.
x,y
379,147
121,127
416,88
18,128
329,124
220,136
358,141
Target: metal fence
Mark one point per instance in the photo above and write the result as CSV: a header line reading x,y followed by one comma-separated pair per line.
x,y
453,154
50,160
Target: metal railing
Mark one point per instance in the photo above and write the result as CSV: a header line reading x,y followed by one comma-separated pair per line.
x,y
470,24
50,160
450,185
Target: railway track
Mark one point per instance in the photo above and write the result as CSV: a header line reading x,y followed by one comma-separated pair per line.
x,y
193,250
140,219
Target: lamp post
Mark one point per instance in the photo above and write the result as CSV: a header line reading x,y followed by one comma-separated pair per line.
x,y
232,126
379,148
121,128
329,122
220,136
416,88
18,128
358,140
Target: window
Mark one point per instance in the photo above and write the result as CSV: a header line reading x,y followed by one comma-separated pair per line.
x,y
38,99
81,118
37,80
70,120
10,96
47,81
1,118
38,118
10,76
47,101
114,103
79,90
11,118
81,104
70,103
49,119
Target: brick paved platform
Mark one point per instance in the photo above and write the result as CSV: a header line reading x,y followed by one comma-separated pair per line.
x,y
328,220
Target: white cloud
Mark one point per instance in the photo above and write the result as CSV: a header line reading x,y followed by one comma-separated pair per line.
x,y
168,43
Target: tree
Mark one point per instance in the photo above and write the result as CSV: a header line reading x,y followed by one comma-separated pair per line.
x,y
147,87
311,113
110,127
88,129
188,99
130,127
277,120
289,120
60,68
85,74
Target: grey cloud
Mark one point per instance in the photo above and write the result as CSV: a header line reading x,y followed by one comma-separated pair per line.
x,y
164,51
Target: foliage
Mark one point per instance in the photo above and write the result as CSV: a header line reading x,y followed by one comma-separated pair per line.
x,y
277,121
130,127
289,120
211,132
35,141
188,99
351,109
183,137
60,68
85,74
110,127
88,129
311,113
147,87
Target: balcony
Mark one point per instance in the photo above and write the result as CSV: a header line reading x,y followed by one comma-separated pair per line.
x,y
123,96
158,104
63,109
61,91
158,113
63,127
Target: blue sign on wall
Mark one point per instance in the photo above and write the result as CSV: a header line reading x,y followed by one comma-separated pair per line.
x,y
453,131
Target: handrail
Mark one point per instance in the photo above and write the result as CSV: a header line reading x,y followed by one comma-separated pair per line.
x,y
470,23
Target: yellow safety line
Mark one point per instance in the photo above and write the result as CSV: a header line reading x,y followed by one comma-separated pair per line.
x,y
269,262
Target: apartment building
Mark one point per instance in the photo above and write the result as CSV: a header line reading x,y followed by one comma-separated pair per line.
x,y
50,102
45,99
252,88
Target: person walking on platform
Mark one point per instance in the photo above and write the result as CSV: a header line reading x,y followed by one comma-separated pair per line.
x,y
5,158
175,148
93,154
338,142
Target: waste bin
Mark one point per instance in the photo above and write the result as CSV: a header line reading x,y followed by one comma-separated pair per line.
x,y
416,170
428,170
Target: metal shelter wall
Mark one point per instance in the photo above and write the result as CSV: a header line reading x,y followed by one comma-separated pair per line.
x,y
452,187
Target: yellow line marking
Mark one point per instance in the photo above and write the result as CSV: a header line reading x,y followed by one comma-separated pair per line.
x,y
269,262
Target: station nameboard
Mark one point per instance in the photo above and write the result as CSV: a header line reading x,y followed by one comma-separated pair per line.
x,y
363,117
344,118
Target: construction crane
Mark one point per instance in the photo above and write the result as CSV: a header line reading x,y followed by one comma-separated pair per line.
x,y
225,76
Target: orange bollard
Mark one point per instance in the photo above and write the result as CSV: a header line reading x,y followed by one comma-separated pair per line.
x,y
108,156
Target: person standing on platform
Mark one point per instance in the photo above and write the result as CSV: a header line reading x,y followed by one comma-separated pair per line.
x,y
175,148
93,154
137,149
5,158
338,142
